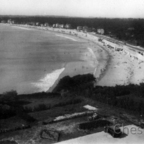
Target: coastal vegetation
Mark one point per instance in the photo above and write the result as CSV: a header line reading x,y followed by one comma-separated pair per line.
x,y
23,111
129,97
72,90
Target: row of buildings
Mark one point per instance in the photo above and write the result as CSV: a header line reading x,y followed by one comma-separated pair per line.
x,y
87,29
9,21
67,26
79,28
57,25
110,43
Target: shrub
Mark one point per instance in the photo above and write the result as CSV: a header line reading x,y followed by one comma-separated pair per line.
x,y
10,96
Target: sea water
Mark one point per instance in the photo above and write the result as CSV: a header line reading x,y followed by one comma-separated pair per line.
x,y
31,60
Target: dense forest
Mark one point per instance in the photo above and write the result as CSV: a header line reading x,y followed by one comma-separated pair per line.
x,y
129,30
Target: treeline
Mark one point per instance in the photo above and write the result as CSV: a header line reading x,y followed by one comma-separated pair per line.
x,y
12,104
68,83
130,97
129,30
119,97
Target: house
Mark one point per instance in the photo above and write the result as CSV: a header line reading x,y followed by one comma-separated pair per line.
x,y
79,28
9,21
31,23
61,26
37,24
68,26
46,24
57,25
86,29
100,31
54,25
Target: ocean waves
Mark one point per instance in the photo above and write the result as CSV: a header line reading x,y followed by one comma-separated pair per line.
x,y
48,80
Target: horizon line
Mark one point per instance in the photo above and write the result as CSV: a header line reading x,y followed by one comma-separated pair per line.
x,y
90,17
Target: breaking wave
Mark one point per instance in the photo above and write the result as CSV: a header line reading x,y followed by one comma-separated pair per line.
x,y
67,37
47,81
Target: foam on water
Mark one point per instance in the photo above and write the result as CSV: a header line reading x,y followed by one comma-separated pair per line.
x,y
67,37
47,81
24,28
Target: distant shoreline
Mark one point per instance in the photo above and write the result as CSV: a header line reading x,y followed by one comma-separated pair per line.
x,y
92,55
111,66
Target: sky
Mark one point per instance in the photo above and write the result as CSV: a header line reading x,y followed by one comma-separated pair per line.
x,y
74,8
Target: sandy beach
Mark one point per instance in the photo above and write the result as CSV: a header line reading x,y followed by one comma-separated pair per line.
x,y
32,60
123,70
110,67
93,60
114,67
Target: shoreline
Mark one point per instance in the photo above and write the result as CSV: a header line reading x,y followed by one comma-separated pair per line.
x,y
99,66
112,67
91,60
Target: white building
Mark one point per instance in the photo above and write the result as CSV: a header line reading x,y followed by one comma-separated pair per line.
x,y
68,26
100,31
79,28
